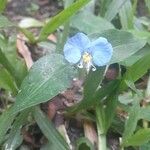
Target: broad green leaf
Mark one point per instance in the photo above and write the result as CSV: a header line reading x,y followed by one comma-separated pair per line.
x,y
124,43
84,144
4,22
142,136
59,19
89,23
114,8
46,126
15,137
2,5
49,76
6,81
126,15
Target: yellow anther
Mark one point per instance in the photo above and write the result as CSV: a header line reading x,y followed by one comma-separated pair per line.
x,y
86,57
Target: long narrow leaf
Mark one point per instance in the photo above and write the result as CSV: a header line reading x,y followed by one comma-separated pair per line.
x,y
49,131
59,19
114,8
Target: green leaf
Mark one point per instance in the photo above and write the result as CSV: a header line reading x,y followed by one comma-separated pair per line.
x,y
114,8
142,136
147,2
126,15
89,23
4,22
142,34
103,6
6,120
2,5
145,146
6,81
92,82
59,19
144,113
65,33
100,119
138,69
15,137
131,121
5,62
49,76
137,56
111,104
29,35
84,144
124,43
117,125
11,61
53,136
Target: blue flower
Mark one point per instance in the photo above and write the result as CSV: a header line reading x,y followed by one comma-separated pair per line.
x,y
79,49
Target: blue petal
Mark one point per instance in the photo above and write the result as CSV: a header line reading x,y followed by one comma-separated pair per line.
x,y
101,51
80,41
72,54
74,47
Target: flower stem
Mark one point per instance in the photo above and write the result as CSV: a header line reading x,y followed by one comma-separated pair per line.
x,y
102,142
100,128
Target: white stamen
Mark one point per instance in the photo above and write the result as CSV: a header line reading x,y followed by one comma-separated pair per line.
x,y
93,68
80,65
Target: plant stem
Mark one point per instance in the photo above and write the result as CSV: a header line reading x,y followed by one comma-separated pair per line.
x,y
100,121
102,142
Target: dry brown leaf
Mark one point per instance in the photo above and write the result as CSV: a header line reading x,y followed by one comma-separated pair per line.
x,y
52,37
90,131
23,50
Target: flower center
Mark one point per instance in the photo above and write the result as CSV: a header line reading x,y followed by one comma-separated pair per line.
x,y
86,62
86,58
